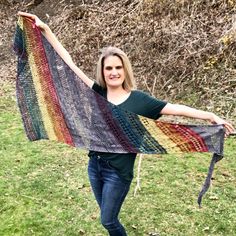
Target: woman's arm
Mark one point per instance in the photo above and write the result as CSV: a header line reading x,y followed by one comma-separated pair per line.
x,y
182,110
46,31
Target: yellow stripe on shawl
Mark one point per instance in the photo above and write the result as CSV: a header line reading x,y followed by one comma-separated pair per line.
x,y
20,23
159,136
47,121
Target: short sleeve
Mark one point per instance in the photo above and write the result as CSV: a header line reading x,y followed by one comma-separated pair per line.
x,y
145,105
153,106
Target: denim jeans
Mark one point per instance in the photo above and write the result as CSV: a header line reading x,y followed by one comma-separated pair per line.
x,y
110,191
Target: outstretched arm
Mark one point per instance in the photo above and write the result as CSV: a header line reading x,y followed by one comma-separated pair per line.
x,y
46,31
182,110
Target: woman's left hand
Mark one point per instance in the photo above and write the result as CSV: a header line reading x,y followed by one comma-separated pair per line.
x,y
228,126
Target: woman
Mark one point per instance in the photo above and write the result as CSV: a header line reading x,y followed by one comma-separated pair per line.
x,y
110,174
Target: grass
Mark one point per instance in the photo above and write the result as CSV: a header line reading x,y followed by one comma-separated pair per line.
x,y
45,190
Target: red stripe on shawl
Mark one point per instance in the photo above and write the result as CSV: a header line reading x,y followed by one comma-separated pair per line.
x,y
185,138
195,140
48,89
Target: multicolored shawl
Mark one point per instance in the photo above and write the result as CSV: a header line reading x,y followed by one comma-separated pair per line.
x,y
56,105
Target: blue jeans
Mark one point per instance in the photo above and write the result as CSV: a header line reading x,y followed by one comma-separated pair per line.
x,y
110,192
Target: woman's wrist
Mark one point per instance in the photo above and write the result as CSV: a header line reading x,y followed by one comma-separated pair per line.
x,y
212,117
45,28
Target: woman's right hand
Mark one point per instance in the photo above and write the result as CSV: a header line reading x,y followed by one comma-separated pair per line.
x,y
33,17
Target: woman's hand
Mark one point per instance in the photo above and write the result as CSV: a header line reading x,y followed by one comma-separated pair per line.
x,y
33,17
228,127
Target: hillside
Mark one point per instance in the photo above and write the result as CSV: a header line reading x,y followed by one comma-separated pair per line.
x,y
183,51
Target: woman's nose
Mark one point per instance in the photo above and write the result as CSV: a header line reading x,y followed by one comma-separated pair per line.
x,y
114,71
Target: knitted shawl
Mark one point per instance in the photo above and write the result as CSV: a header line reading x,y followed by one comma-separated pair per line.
x,y
57,105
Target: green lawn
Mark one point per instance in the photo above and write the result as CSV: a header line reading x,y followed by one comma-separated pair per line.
x,y
45,190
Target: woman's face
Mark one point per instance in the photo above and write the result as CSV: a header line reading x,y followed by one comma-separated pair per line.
x,y
113,71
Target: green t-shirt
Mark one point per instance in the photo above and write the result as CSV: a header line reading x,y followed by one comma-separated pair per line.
x,y
142,104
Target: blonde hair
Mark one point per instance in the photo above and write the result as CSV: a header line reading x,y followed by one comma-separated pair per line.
x,y
129,82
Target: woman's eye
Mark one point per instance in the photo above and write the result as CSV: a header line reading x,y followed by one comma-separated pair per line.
x,y
110,67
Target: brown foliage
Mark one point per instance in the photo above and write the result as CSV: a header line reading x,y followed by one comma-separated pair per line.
x,y
181,50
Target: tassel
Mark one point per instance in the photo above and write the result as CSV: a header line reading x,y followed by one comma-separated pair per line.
x,y
215,158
